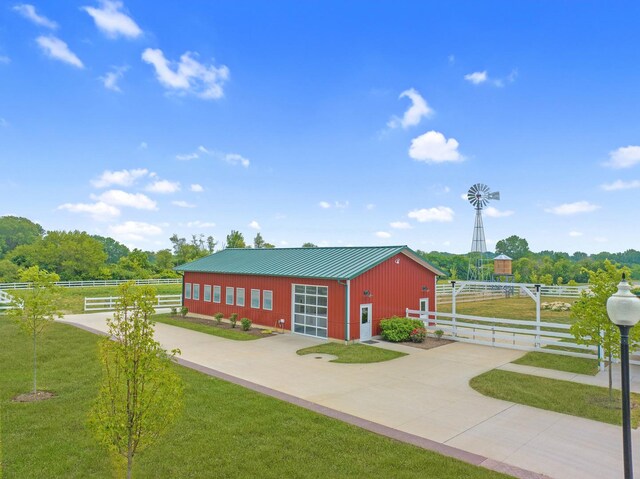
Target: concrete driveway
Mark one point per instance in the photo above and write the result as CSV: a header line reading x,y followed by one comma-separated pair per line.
x,y
425,393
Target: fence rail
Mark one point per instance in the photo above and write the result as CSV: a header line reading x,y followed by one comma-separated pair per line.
x,y
488,291
108,303
95,283
6,301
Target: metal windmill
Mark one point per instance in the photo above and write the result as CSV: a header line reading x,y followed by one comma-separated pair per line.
x,y
479,196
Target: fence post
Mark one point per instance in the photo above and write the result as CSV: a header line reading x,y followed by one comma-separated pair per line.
x,y
453,308
601,353
537,316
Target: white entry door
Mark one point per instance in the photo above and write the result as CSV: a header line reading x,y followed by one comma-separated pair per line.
x,y
365,321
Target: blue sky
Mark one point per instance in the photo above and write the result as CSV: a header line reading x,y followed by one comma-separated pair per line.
x,y
339,123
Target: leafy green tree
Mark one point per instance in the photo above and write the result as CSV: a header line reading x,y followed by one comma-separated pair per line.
x,y
16,231
141,394
185,252
73,255
269,246
258,241
164,260
235,239
36,308
592,325
9,272
309,245
513,246
113,248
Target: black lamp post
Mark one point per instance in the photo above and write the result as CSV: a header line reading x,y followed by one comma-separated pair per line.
x,y
623,309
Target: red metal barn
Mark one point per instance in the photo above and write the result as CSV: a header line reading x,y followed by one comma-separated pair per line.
x,y
324,292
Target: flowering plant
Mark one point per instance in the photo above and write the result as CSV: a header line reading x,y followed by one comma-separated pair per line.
x,y
418,335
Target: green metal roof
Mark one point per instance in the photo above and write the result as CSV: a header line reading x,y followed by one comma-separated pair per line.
x,y
327,263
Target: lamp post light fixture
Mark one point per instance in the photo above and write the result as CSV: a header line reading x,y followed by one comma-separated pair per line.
x,y
623,309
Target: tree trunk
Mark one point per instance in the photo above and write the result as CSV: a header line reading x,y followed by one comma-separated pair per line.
x,y
129,464
610,378
34,362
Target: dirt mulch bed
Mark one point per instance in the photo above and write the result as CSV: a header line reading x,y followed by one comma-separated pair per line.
x,y
429,343
224,325
32,397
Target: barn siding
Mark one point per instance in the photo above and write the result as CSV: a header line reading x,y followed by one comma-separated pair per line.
x,y
394,287
281,287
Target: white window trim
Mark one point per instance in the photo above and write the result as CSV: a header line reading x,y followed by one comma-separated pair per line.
x,y
207,287
252,292
238,296
264,296
226,295
196,292
219,290
187,290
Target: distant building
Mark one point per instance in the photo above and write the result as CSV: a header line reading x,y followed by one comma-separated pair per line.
x,y
323,292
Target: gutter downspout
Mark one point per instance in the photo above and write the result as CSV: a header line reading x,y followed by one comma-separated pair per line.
x,y
347,285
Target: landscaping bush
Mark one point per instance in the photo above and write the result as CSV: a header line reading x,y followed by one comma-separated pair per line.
x,y
183,311
174,311
397,329
439,333
246,324
218,317
233,319
418,335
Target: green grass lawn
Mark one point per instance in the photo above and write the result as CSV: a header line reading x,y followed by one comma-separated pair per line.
x,y
72,299
560,363
511,308
235,334
591,402
353,353
224,431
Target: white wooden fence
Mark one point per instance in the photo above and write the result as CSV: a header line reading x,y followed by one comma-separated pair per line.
x,y
6,301
95,283
108,303
485,291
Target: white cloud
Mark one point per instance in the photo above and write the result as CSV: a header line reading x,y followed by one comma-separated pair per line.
x,y
418,109
4,60
183,204
370,206
324,204
451,59
572,208
477,77
438,213
624,157
29,12
200,224
383,234
143,145
575,234
235,159
433,147
122,198
110,79
111,21
400,225
58,50
98,211
621,185
163,186
134,230
188,75
4,123
196,188
493,212
341,205
255,225
121,177
187,156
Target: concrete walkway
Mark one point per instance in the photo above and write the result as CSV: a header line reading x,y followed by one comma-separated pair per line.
x,y
425,394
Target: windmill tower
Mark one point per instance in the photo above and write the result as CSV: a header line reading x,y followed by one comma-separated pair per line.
x,y
479,196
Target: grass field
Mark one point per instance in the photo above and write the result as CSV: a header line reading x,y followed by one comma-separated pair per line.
x,y
72,299
237,335
511,308
353,353
560,363
224,431
591,402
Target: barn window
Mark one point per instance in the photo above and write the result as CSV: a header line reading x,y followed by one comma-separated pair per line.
x,y
255,298
267,300
207,292
310,310
216,294
240,296
229,295
187,291
196,291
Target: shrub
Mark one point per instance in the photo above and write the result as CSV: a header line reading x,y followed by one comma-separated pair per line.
x,y
233,319
398,329
439,333
418,335
246,324
174,311
218,317
183,311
